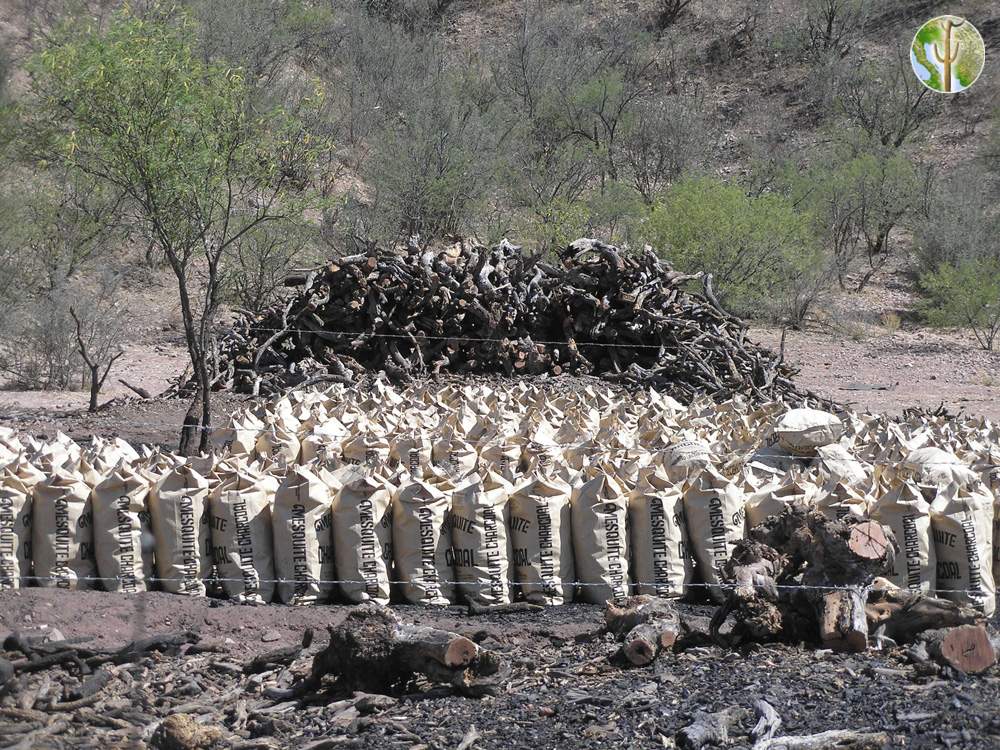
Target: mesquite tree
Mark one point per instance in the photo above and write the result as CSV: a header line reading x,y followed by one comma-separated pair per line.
x,y
96,341
197,167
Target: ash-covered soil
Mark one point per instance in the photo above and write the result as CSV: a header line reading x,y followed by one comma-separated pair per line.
x,y
563,691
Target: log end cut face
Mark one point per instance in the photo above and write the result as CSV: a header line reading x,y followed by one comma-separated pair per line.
x,y
968,648
868,541
460,652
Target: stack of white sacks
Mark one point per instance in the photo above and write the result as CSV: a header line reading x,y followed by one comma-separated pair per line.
x,y
484,494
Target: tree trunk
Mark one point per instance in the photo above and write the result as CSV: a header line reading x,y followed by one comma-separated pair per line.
x,y
95,387
189,429
206,409
195,413
206,345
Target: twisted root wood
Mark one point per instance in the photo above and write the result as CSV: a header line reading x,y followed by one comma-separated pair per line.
x,y
834,561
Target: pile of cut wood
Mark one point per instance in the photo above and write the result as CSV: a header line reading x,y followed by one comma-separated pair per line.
x,y
803,577
466,308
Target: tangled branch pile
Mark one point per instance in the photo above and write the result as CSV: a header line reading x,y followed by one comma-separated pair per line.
x,y
466,308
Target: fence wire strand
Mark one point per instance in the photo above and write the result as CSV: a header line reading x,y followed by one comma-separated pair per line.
x,y
549,583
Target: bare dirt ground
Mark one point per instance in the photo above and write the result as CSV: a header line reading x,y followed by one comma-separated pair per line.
x,y
874,370
889,372
563,691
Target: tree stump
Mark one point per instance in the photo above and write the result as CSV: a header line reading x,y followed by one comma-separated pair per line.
x,y
835,561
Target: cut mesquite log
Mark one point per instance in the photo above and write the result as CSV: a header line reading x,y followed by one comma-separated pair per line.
x,y
904,614
643,643
373,651
832,565
645,625
966,648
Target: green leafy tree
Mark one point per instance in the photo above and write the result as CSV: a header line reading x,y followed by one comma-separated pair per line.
x,y
761,251
56,230
959,224
428,169
68,223
412,15
965,295
261,36
665,137
615,213
135,108
262,260
100,332
957,245
572,94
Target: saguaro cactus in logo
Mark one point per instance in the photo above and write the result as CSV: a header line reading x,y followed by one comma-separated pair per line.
x,y
947,54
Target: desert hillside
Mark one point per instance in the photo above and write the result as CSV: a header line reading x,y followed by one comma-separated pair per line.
x,y
787,148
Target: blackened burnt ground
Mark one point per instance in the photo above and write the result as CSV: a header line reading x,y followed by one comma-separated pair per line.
x,y
563,692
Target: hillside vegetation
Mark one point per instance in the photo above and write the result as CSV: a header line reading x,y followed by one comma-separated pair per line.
x,y
785,147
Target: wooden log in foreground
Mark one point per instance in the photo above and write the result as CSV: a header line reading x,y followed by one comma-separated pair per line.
x,y
419,644
966,648
710,729
837,561
646,626
868,541
373,651
620,619
644,642
841,739
843,624
845,555
716,729
904,614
